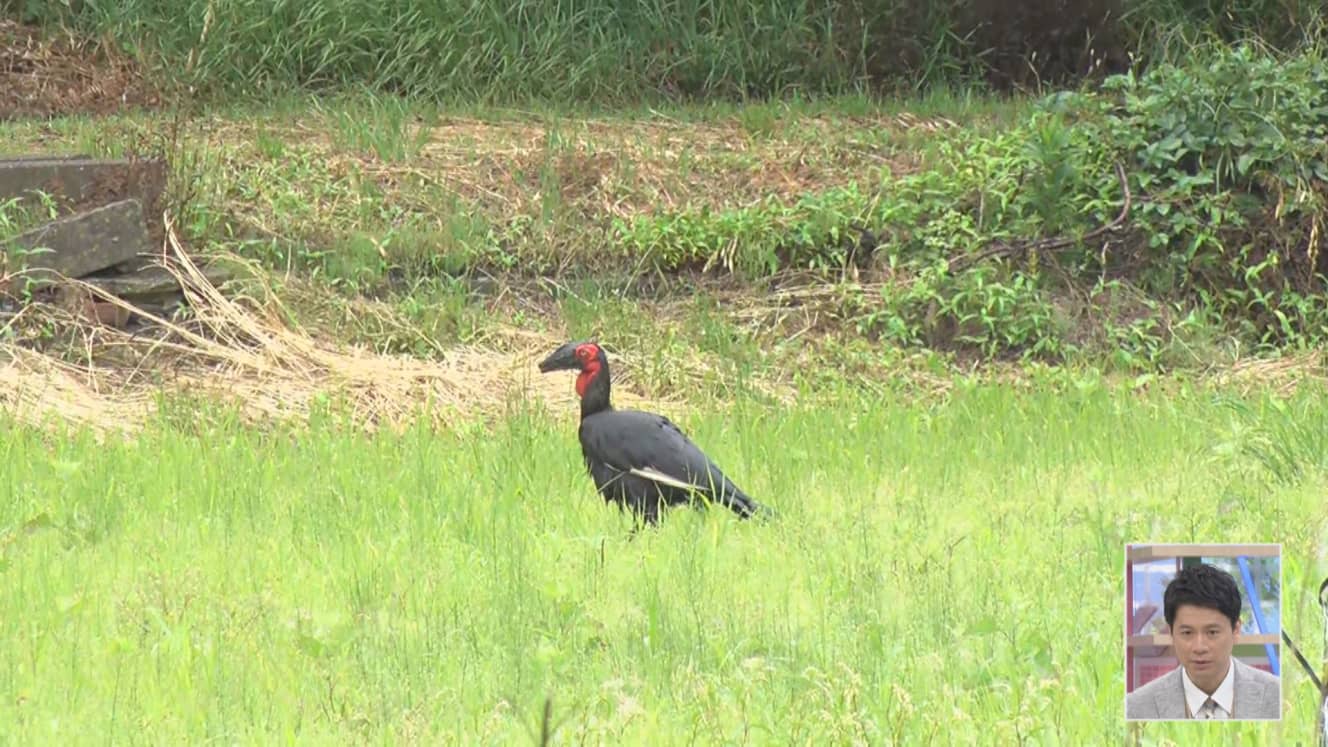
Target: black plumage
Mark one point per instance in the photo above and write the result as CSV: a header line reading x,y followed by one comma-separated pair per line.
x,y
639,460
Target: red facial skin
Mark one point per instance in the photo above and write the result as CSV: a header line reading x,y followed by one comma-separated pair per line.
x,y
588,354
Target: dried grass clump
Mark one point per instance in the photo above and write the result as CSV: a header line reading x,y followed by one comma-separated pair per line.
x,y
1284,375
239,350
52,74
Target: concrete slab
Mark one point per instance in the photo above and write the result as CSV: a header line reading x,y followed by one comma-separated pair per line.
x,y
149,283
84,243
79,180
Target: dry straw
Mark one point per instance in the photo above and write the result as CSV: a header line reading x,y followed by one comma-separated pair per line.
x,y
239,350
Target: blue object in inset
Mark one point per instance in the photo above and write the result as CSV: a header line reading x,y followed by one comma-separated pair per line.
x,y
1253,594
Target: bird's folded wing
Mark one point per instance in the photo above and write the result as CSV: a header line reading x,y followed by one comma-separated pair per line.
x,y
650,473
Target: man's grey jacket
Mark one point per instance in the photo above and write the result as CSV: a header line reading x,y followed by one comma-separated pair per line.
x,y
1257,695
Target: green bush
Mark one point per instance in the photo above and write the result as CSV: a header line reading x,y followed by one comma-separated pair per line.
x,y
1228,158
990,312
1227,161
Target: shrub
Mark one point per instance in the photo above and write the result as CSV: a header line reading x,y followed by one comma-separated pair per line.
x,y
1229,160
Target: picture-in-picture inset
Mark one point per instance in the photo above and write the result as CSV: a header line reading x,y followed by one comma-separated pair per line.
x,y
1202,632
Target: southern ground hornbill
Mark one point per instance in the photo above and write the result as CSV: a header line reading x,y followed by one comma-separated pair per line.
x,y
640,460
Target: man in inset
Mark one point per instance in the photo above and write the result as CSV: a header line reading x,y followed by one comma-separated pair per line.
x,y
1202,608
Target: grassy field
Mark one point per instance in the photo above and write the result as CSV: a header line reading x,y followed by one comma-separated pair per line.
x,y
350,185
943,572
371,208
947,566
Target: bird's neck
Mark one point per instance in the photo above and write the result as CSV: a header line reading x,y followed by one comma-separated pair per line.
x,y
593,386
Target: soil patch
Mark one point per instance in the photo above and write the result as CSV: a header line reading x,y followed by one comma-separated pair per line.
x,y
46,75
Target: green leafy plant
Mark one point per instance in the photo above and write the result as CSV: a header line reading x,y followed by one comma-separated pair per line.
x,y
1230,157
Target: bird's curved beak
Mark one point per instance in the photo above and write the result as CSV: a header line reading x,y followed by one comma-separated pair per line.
x,y
562,359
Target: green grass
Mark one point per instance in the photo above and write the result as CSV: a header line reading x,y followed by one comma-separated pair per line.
x,y
19,215
405,201
346,192
313,182
502,50
517,51
944,571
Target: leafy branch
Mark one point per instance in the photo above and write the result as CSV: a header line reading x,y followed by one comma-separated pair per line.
x,y
1003,250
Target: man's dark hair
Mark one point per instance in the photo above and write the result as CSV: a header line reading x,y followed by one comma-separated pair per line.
x,y
1202,586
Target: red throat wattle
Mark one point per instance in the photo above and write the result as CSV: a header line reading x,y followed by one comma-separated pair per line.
x,y
584,378
589,357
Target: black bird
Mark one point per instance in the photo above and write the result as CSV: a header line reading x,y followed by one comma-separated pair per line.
x,y
640,460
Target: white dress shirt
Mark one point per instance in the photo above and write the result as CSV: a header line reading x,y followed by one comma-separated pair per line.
x,y
1222,696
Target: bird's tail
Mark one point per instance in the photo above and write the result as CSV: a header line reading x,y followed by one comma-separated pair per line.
x,y
745,506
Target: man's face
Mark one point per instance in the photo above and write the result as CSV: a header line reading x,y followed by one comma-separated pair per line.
x,y
1203,638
